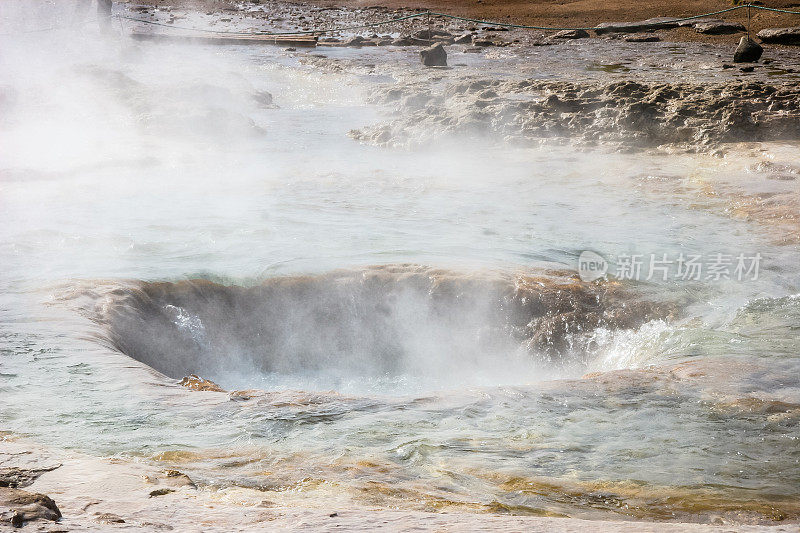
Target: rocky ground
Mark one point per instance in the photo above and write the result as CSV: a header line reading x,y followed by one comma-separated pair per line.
x,y
624,114
648,93
551,13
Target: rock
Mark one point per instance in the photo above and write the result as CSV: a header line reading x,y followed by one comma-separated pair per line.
x,y
433,34
780,35
23,506
245,395
160,492
463,39
434,56
483,42
748,51
176,478
571,34
195,382
355,41
17,478
642,38
626,113
108,518
264,98
719,27
747,69
692,22
403,41
290,49
658,23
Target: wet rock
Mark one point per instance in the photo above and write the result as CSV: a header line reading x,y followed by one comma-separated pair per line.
x,y
19,506
748,51
483,42
17,478
571,34
719,27
264,98
108,518
780,35
175,478
245,395
465,38
434,56
658,23
195,382
160,492
747,69
627,113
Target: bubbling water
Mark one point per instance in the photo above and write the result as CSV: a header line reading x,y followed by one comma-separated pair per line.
x,y
435,326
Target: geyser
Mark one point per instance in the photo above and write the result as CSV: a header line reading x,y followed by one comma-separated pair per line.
x,y
377,321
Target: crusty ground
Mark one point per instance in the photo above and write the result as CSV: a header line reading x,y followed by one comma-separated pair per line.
x,y
119,494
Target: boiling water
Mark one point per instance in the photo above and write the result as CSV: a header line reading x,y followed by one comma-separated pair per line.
x,y
125,165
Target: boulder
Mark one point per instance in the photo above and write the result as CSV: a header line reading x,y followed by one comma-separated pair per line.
x,y
719,27
432,35
748,51
463,39
780,35
571,34
19,506
658,23
434,56
355,41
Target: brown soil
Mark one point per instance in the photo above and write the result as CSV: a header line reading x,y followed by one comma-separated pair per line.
x,y
560,13
588,13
